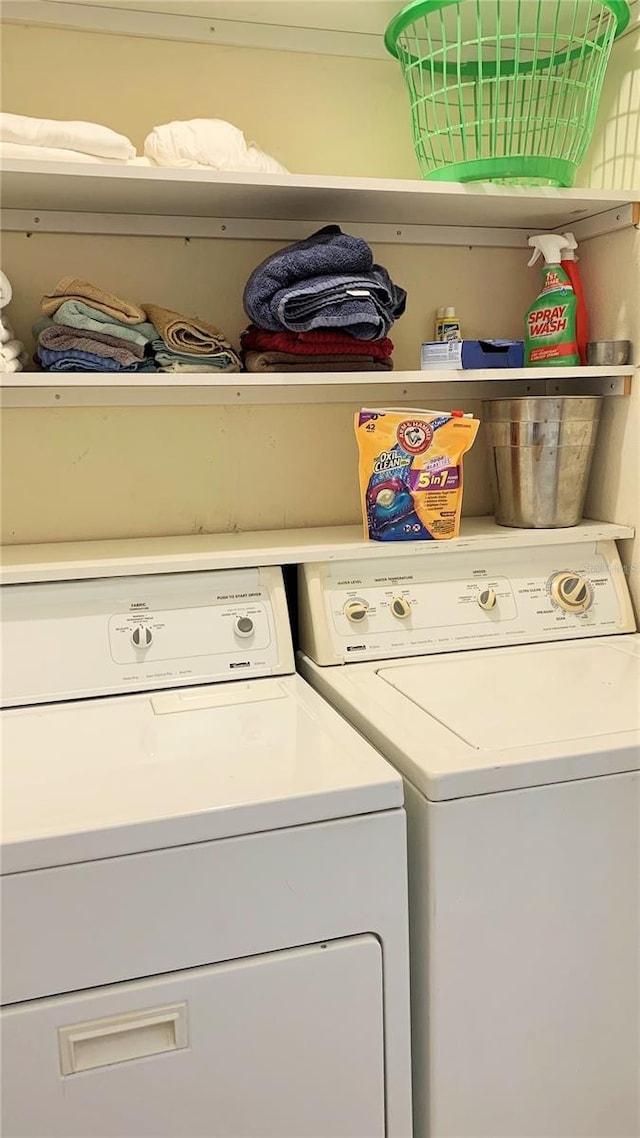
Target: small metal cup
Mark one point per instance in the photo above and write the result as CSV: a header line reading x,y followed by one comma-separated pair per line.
x,y
609,353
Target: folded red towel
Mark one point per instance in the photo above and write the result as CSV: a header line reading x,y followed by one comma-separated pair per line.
x,y
321,342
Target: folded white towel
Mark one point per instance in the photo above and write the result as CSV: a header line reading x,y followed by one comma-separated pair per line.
x,y
6,331
207,144
18,364
11,350
86,137
6,292
55,154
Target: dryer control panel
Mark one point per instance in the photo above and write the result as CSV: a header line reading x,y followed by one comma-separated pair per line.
x,y
71,639
386,609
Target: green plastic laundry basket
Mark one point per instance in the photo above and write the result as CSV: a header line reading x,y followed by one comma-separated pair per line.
x,y
504,90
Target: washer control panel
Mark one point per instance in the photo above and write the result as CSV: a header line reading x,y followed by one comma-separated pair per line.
x,y
445,601
78,638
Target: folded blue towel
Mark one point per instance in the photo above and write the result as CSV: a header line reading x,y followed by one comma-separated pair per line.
x,y
327,281
223,360
364,306
76,360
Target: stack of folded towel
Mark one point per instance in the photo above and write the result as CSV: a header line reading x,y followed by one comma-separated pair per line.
x,y
24,137
188,344
13,356
85,328
321,305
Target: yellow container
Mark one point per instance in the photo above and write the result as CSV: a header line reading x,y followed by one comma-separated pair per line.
x,y
410,467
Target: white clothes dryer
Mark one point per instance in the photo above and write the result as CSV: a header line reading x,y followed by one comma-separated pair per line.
x,y
204,909
505,687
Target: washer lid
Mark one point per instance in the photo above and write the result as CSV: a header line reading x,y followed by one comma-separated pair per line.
x,y
552,694
497,719
105,777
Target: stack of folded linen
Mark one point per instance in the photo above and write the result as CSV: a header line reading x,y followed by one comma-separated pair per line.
x,y
188,344
85,328
13,356
207,144
24,137
328,292
323,350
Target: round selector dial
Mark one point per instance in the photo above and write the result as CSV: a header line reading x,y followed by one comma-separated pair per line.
x,y
244,626
142,636
356,611
400,608
487,599
571,592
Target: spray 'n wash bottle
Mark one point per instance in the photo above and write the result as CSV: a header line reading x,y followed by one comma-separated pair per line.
x,y
572,269
550,322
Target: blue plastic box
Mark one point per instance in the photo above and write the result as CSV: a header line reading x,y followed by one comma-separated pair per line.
x,y
461,355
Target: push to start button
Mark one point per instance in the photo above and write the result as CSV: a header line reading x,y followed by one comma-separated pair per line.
x,y
244,626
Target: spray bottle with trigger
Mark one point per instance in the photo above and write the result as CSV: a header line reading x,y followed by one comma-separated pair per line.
x,y
550,322
572,269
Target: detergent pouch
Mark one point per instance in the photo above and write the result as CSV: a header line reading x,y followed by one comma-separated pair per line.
x,y
411,472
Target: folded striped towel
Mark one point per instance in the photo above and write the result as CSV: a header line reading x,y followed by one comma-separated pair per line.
x,y
187,334
284,362
77,314
74,360
320,342
329,280
71,288
59,338
225,359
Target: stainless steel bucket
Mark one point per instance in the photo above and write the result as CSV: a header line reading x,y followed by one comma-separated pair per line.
x,y
540,453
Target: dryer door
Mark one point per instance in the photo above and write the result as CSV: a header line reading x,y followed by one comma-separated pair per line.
x,y
284,1045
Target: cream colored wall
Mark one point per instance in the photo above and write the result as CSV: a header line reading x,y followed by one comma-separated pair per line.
x,y
613,158
318,114
80,474
611,273
107,473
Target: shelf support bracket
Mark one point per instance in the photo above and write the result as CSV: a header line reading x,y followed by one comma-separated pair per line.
x,y
31,221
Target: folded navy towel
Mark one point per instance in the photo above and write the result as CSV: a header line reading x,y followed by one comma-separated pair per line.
x,y
366,307
327,281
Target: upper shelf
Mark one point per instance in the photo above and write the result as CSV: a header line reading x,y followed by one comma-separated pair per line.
x,y
70,561
139,199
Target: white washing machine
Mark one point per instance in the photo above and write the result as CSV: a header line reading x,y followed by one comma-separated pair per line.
x,y
505,687
204,907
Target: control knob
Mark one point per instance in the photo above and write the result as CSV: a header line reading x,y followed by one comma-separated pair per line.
x,y
142,636
356,611
487,599
400,608
571,592
244,626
